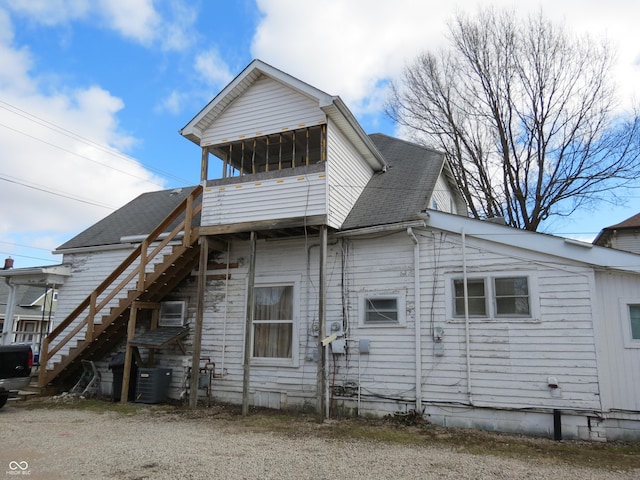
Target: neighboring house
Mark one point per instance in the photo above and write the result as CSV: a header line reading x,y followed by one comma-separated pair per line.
x,y
621,236
315,272
32,307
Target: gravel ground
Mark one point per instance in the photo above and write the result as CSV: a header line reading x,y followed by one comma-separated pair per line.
x,y
152,444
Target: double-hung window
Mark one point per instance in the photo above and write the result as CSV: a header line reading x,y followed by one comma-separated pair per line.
x,y
476,297
273,322
498,297
512,296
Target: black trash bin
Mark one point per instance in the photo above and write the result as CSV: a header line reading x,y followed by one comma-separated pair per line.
x,y
116,365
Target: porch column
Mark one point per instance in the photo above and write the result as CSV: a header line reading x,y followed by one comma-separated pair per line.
x,y
322,321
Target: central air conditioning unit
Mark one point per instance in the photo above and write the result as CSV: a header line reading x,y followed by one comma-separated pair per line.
x,y
172,313
152,385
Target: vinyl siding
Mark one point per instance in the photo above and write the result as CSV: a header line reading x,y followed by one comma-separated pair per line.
x,y
266,107
442,197
618,359
348,174
269,199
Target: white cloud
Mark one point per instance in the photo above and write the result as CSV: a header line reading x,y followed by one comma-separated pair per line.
x,y
39,152
212,69
351,48
137,20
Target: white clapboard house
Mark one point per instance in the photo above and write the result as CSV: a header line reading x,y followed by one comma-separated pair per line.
x,y
332,270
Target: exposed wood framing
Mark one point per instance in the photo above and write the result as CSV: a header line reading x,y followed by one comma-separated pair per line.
x,y
204,164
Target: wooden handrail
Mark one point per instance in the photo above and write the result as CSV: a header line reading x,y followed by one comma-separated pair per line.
x,y
185,207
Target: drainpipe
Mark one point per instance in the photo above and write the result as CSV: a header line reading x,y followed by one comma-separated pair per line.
x,y
466,314
417,310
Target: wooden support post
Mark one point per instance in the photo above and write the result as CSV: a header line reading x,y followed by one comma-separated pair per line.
x,y
92,314
197,339
143,264
204,164
322,321
131,331
249,326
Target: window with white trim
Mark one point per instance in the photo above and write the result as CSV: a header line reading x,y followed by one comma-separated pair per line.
x,y
274,331
476,297
493,297
512,296
382,309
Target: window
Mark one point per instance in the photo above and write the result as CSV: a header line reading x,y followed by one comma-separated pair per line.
x,y
634,319
510,297
172,313
381,310
475,294
273,322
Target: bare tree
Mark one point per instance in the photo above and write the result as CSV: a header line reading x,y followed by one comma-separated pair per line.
x,y
526,115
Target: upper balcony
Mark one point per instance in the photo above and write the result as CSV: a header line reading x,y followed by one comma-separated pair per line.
x,y
268,182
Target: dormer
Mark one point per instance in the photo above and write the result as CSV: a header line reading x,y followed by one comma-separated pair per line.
x,y
289,154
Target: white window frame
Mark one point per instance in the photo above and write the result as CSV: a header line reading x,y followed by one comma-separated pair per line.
x,y
400,299
490,298
625,318
281,281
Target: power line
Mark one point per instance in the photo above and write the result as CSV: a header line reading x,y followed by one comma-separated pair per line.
x,y
59,194
68,133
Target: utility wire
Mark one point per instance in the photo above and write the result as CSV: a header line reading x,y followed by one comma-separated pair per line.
x,y
59,194
68,133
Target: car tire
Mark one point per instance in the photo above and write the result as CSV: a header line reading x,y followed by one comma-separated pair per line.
x,y
3,398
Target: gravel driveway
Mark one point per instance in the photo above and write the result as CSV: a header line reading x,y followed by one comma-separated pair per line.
x,y
153,444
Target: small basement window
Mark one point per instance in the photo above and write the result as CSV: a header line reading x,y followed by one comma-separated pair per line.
x,y
172,313
382,310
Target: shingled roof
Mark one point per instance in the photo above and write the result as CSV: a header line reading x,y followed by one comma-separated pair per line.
x,y
401,192
396,195
604,237
138,217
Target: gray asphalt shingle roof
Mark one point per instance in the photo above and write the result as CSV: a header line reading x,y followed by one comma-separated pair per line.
x,y
402,191
138,217
396,195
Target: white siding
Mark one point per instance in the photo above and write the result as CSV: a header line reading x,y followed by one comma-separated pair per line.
x,y
271,199
443,197
266,107
619,362
348,175
510,359
628,240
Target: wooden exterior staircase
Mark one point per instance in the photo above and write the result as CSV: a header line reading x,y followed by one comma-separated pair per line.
x,y
149,273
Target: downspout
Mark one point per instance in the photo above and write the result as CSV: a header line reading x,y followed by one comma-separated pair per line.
x,y
417,310
466,314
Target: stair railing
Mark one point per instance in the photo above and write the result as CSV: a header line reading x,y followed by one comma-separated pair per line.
x,y
90,305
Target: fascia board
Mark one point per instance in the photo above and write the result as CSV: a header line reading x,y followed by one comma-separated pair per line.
x,y
537,242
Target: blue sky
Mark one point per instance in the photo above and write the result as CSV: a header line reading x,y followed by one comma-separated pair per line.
x,y
93,92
